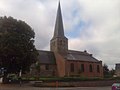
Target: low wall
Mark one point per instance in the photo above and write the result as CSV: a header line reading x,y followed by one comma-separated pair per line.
x,y
76,84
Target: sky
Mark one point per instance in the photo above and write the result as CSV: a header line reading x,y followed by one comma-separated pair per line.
x,y
92,25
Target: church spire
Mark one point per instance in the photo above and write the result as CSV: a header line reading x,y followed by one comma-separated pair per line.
x,y
59,43
59,30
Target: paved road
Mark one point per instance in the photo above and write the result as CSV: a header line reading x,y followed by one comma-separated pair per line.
x,y
27,87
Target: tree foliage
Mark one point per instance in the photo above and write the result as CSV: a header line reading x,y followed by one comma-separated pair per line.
x,y
108,73
17,50
105,70
112,72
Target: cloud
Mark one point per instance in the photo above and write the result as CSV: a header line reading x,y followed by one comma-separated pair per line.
x,y
101,36
92,25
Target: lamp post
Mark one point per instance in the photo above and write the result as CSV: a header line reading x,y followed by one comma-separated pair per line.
x,y
20,78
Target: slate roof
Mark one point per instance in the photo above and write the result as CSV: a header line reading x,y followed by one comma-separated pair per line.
x,y
46,57
81,56
59,30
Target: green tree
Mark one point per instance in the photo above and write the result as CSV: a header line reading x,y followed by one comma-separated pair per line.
x,y
17,50
105,70
112,72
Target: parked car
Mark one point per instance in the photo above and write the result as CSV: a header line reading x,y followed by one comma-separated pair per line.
x,y
116,86
2,71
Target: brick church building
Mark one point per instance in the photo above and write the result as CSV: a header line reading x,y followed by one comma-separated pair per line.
x,y
60,61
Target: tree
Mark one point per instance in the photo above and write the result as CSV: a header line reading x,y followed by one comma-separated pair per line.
x,y
17,50
105,70
112,72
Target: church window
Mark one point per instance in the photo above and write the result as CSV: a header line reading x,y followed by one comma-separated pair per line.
x,y
90,68
60,42
98,68
46,67
72,67
82,67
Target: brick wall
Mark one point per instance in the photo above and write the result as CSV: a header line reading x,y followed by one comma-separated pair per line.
x,y
60,61
86,73
51,71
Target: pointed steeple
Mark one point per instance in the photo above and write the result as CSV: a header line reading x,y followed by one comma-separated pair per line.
x,y
59,30
59,43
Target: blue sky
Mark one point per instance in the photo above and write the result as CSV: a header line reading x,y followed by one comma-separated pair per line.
x,y
92,25
74,31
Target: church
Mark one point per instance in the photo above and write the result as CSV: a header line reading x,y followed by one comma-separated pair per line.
x,y
61,62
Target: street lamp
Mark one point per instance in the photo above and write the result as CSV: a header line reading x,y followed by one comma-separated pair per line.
x,y
20,78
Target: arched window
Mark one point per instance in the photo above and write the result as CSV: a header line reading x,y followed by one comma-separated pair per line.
x,y
60,42
82,67
90,68
98,68
46,67
72,67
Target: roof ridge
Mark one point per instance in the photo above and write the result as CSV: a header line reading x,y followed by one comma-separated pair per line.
x,y
44,50
83,52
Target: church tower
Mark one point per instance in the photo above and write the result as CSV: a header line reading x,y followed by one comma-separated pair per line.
x,y
59,43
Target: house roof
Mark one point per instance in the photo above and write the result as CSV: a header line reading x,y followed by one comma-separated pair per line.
x,y
46,57
81,56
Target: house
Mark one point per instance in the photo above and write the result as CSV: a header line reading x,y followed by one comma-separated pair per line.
x,y
60,61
